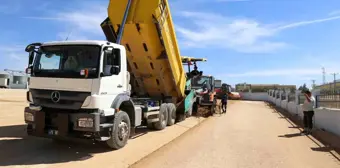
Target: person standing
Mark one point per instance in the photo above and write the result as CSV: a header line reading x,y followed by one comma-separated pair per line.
x,y
224,101
308,112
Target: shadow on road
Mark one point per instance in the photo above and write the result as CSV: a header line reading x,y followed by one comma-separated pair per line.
x,y
296,123
16,148
323,149
12,131
296,127
290,135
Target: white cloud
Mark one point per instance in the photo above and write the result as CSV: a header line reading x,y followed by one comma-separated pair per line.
x,y
82,22
14,52
303,23
336,12
16,57
240,34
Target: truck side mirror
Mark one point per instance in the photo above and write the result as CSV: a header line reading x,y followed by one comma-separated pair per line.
x,y
31,57
29,48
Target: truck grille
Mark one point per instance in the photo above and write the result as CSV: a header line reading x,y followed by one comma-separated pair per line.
x,y
67,99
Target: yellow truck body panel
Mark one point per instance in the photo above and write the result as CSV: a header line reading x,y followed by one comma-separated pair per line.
x,y
152,50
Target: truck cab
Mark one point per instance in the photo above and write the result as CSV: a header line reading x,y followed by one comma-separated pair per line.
x,y
78,75
76,89
204,86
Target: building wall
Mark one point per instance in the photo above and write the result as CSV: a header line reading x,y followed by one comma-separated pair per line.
x,y
13,80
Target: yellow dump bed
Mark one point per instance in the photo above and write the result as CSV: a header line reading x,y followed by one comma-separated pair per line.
x,y
152,50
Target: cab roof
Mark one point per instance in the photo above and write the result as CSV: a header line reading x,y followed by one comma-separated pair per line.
x,y
78,42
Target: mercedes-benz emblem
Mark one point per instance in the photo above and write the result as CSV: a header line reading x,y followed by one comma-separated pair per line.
x,y
55,96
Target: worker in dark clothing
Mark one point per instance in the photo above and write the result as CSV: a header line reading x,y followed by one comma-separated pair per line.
x,y
224,101
194,72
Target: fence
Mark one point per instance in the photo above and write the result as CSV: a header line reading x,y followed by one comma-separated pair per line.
x,y
291,97
330,100
325,118
301,99
283,96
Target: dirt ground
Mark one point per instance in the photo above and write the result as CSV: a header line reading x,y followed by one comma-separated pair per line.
x,y
19,150
250,135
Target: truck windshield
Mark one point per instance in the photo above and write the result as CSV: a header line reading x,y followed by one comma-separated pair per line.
x,y
71,61
199,81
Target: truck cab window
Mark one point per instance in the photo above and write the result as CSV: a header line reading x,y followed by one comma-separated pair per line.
x,y
49,61
111,59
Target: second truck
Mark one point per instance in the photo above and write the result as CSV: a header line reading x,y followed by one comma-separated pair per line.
x,y
102,90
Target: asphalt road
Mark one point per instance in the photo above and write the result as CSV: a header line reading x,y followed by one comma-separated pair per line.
x,y
250,135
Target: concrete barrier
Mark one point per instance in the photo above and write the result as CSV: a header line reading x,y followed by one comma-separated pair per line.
x,y
262,96
300,111
292,108
278,102
328,119
284,104
325,118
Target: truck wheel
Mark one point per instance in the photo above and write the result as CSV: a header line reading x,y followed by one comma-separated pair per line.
x,y
121,130
171,114
163,117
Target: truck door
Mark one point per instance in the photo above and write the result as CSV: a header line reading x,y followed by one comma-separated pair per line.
x,y
112,81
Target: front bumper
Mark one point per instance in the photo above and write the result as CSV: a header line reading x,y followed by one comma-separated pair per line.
x,y
41,123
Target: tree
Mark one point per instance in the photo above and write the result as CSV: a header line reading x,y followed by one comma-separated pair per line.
x,y
303,88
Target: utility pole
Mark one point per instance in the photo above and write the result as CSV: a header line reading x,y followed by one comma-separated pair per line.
x,y
334,76
323,75
313,83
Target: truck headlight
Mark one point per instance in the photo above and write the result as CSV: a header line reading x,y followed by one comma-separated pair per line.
x,y
29,117
85,122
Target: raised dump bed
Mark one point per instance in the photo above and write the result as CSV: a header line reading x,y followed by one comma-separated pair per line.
x,y
152,50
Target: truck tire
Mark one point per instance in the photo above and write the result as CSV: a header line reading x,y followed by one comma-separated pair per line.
x,y
171,114
163,117
120,132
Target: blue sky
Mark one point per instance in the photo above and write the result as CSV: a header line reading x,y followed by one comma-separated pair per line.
x,y
253,41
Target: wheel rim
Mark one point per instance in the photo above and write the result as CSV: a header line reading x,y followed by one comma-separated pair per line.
x,y
123,130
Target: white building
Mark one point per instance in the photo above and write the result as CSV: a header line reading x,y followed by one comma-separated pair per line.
x,y
13,79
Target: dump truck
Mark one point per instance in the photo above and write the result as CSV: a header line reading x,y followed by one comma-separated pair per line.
x,y
103,90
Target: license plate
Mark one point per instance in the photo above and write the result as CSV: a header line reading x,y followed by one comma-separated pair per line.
x,y
52,132
85,124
